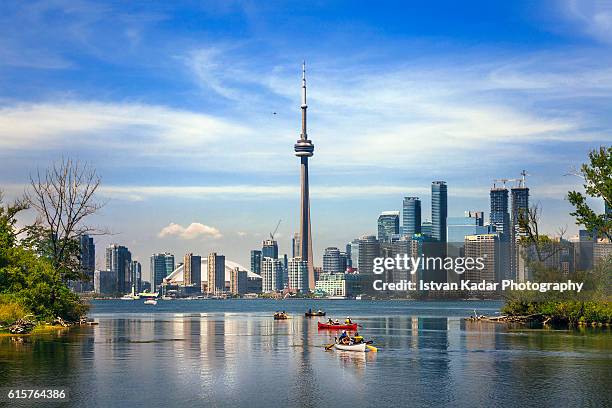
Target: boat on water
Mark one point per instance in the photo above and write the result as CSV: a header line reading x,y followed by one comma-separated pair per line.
x,y
317,313
352,326
361,347
280,316
150,302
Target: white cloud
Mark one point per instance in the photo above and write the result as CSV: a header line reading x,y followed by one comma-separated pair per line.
x,y
593,16
192,231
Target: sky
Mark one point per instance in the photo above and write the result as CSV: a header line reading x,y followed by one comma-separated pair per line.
x,y
189,110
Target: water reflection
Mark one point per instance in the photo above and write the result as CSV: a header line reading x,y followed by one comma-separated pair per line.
x,y
228,359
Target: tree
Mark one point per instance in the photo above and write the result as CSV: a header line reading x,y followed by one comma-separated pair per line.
x,y
63,196
597,176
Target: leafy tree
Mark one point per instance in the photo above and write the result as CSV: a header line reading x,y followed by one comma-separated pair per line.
x,y
597,176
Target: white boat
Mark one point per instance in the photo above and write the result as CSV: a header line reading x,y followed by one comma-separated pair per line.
x,y
351,347
150,302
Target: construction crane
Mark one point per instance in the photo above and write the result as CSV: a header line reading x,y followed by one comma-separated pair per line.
x,y
521,181
275,229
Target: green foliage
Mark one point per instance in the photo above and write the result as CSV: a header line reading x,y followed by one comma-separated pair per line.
x,y
11,310
597,176
31,279
570,311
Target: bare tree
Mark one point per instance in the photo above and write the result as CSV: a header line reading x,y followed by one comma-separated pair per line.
x,y
63,196
543,245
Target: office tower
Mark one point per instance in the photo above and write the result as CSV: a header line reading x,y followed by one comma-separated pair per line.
x,y
585,249
354,249
304,149
296,245
192,270
238,281
216,273
136,276
500,218
369,248
118,259
88,262
105,282
344,258
388,225
483,246
349,260
269,249
331,260
427,228
161,265
411,216
439,210
271,274
298,275
392,250
458,227
520,208
256,261
477,215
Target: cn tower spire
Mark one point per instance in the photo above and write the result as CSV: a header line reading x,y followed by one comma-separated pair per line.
x,y
304,134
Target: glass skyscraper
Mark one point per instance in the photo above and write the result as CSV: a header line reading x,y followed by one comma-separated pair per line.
x,y
439,210
388,225
270,249
161,266
331,260
411,216
256,261
118,260
520,205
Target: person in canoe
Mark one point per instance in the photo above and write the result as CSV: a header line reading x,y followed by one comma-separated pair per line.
x,y
310,310
344,338
357,338
330,321
348,320
336,321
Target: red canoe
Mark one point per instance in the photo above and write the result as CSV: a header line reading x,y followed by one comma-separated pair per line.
x,y
337,326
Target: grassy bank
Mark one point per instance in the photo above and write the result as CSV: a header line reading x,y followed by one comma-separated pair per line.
x,y
570,312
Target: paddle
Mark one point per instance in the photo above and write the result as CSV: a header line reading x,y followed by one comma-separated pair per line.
x,y
372,348
329,346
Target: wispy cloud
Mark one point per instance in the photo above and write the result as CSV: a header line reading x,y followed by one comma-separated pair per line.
x,y
192,231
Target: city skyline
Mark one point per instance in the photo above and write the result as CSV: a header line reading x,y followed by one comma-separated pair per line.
x,y
190,125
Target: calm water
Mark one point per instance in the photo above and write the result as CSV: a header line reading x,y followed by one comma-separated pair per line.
x,y
232,353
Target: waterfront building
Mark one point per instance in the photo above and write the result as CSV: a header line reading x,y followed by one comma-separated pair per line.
x,y
344,259
520,207
298,275
216,274
331,260
343,285
136,276
585,250
305,149
296,245
457,229
105,282
269,249
392,250
159,268
192,270
256,261
500,218
353,249
238,281
88,264
388,225
485,246
439,210
118,259
411,216
272,274
369,248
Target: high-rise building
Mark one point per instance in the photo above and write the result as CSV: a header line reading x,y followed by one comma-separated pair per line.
x,y
305,149
354,250
344,259
118,260
272,274
88,262
585,250
483,246
331,260
161,265
256,261
105,282
192,270
296,245
136,276
238,281
457,229
388,225
427,228
411,216
500,218
369,248
216,274
269,249
298,275
439,210
520,208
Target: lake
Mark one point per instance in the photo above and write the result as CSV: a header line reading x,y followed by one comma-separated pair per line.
x,y
232,353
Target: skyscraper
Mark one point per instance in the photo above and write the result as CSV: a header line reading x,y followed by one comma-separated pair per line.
x,y
272,274
118,259
331,260
159,266
256,261
296,245
388,225
88,262
298,275
216,273
136,276
439,210
369,248
192,270
354,250
483,246
304,149
520,207
411,216
499,212
269,249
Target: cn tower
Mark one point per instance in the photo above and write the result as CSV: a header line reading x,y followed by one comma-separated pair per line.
x,y
304,149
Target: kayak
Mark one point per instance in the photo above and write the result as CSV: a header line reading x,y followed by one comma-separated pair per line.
x,y
280,316
351,347
337,326
314,314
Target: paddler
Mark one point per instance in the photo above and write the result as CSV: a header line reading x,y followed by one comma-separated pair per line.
x,y
357,339
348,320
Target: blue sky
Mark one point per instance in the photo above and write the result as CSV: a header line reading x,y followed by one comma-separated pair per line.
x,y
172,102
